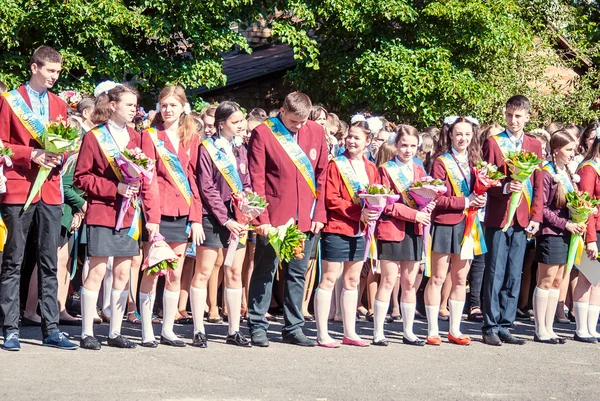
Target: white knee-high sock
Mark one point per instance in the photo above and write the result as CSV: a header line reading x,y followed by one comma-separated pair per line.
x,y
198,303
146,315
349,301
540,305
170,303
432,312
88,311
456,309
379,311
233,299
553,295
408,318
118,303
581,313
592,322
322,307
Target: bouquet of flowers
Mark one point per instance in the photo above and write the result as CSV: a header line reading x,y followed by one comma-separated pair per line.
x,y
522,165
288,241
5,160
581,206
375,197
59,137
72,98
247,206
161,258
135,166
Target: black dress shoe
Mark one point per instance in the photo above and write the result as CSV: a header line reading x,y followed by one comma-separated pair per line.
x,y
238,339
120,342
561,340
381,343
259,338
89,342
510,339
299,339
548,341
418,342
492,339
150,344
29,323
589,340
199,340
524,316
172,343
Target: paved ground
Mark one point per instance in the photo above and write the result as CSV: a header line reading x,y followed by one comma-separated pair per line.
x,y
286,372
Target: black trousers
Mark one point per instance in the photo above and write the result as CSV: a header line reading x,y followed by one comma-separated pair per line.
x,y
46,220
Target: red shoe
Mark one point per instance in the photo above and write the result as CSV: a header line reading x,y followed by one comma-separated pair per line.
x,y
462,340
356,343
434,340
334,344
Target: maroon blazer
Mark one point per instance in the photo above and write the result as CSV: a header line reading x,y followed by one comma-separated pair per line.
x,y
214,190
22,175
343,215
167,197
276,177
391,225
590,183
498,202
555,219
95,176
449,208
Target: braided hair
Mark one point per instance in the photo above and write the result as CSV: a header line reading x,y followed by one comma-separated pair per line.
x,y
560,139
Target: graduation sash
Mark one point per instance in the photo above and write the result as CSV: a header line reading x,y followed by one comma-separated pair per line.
x,y
401,182
173,165
506,146
565,181
32,124
224,165
111,150
591,163
349,177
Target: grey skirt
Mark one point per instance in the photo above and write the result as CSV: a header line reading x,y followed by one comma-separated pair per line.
x,y
216,235
409,249
105,241
552,249
342,248
446,238
174,229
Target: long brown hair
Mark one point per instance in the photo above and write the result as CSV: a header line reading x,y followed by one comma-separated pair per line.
x,y
187,125
594,151
560,139
590,130
102,111
444,144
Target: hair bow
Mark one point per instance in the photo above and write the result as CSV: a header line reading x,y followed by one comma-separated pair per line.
x,y
598,131
104,87
452,119
356,118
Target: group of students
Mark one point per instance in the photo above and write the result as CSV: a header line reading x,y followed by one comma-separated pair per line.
x,y
287,161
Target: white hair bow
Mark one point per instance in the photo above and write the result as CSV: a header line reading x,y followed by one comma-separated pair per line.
x,y
452,119
187,109
104,87
356,118
375,124
598,131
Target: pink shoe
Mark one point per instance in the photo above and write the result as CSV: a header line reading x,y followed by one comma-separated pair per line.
x,y
334,344
356,343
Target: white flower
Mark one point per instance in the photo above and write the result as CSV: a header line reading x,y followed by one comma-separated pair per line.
x,y
187,109
576,178
221,143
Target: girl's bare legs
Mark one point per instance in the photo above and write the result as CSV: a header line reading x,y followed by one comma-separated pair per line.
x,y
206,258
581,306
389,273
233,290
309,284
408,299
433,291
136,265
30,311
214,283
247,274
186,281
119,294
62,274
89,294
545,299
323,298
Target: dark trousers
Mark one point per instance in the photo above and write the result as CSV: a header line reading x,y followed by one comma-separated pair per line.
x,y
46,219
261,286
502,277
476,281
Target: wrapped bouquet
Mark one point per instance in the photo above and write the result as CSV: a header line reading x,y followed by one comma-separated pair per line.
x,y
161,258
72,98
581,206
288,241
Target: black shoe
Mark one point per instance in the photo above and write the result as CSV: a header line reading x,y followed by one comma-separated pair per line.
x,y
120,342
492,339
418,342
259,338
561,340
381,343
172,343
510,339
589,340
548,341
89,342
30,323
419,315
199,340
69,322
150,344
523,316
299,339
238,339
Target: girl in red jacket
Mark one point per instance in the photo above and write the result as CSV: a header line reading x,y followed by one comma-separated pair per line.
x,y
457,154
343,241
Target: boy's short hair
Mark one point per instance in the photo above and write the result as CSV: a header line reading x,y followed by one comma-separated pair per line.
x,y
518,102
257,115
43,55
298,103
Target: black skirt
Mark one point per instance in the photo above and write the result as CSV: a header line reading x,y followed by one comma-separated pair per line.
x,y
409,249
446,239
105,241
552,249
342,248
216,235
174,229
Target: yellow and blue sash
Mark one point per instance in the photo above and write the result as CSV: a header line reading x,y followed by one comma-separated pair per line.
x,y
506,146
461,188
591,163
224,165
173,165
19,106
565,181
349,177
401,182
111,151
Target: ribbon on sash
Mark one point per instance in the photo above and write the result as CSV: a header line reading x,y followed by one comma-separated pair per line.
x,y
19,106
401,182
461,188
173,166
562,178
224,165
506,146
111,151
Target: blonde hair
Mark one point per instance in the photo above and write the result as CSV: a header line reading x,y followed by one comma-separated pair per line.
x,y
187,125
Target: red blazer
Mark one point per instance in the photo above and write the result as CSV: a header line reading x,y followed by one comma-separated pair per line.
x,y
391,225
590,183
167,197
498,202
94,176
449,208
276,177
343,215
21,176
